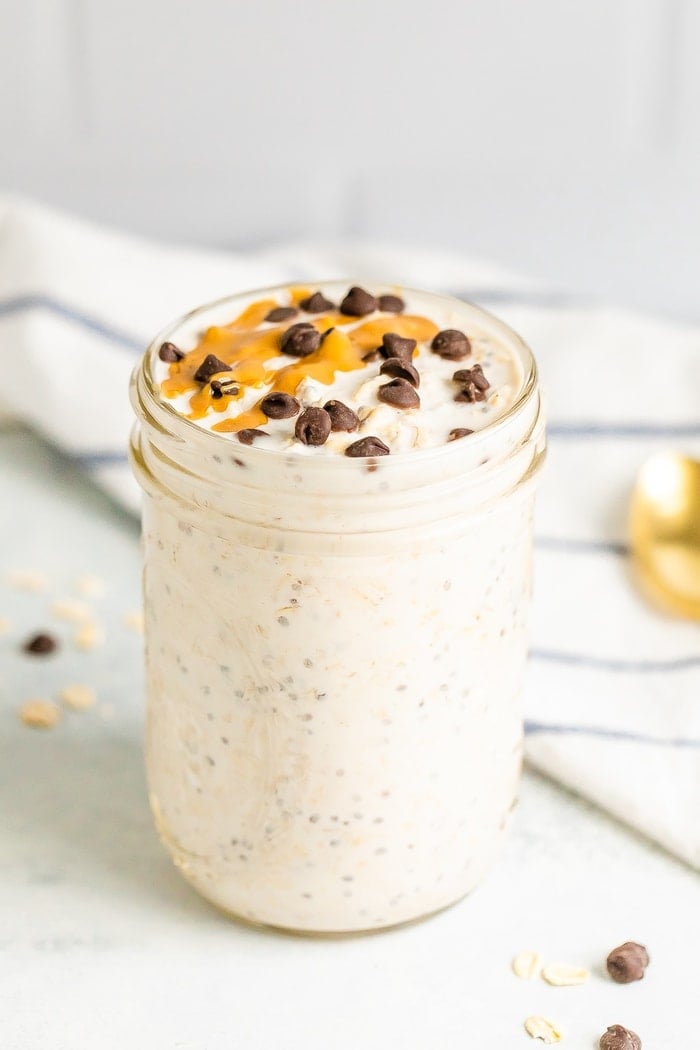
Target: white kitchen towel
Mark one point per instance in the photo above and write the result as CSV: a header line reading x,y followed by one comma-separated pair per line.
x,y
613,697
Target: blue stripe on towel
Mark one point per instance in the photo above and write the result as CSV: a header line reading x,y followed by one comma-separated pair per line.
x,y
537,728
23,303
603,663
569,546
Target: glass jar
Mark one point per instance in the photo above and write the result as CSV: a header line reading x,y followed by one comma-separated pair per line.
x,y
334,649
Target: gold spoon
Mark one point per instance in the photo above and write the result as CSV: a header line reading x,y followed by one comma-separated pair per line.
x,y
665,532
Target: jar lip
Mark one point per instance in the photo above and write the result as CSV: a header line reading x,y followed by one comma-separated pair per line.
x,y
422,455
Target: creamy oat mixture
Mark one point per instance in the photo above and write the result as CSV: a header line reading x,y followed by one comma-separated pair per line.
x,y
335,645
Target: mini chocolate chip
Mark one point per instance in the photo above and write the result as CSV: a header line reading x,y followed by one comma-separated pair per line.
x,y
209,367
459,432
248,436
313,426
367,446
342,417
300,340
278,405
281,313
475,384
316,304
628,962
221,387
169,352
399,393
451,344
394,345
40,644
619,1038
475,375
358,303
399,369
391,304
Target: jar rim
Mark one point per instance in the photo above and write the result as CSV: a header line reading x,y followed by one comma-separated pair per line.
x,y
421,455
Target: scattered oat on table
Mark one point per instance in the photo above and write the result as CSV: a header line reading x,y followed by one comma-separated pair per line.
x,y
134,620
90,586
40,714
28,581
527,965
78,697
562,976
71,610
5,625
89,636
544,1029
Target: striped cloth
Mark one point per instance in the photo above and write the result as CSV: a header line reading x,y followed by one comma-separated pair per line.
x,y
613,697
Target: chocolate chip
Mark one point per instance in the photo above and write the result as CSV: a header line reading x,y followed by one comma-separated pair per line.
x,y
628,962
372,355
394,345
300,340
358,303
281,313
399,393
475,375
278,405
342,417
221,387
619,1038
40,644
316,304
451,344
399,369
367,446
248,436
209,367
313,426
475,384
169,352
391,304
459,432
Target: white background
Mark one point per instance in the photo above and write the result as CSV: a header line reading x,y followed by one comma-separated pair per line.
x,y
558,137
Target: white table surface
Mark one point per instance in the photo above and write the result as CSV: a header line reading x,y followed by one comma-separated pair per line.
x,y
104,947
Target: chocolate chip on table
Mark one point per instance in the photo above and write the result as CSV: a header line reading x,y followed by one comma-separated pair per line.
x,y
399,393
278,405
618,1037
248,436
342,417
358,303
474,384
209,367
40,644
394,345
391,304
459,432
451,344
281,313
221,387
367,446
169,352
313,426
399,369
627,962
316,304
300,340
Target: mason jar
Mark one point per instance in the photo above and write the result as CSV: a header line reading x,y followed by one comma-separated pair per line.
x,y
335,649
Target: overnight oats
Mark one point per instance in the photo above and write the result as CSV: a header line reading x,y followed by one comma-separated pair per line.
x,y
337,536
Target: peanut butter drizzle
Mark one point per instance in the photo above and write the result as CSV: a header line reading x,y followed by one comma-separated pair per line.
x,y
247,351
